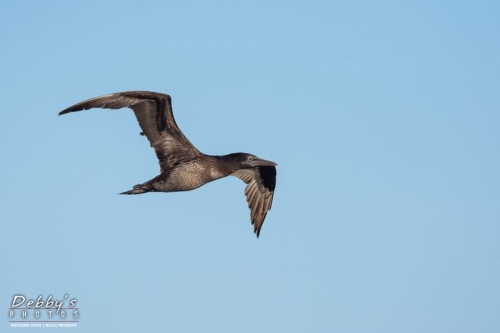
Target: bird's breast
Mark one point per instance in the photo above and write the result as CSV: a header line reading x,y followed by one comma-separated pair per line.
x,y
189,176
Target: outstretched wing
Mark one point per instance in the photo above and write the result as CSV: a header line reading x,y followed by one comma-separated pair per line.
x,y
154,114
259,192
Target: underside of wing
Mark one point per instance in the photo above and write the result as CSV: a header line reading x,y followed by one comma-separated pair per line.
x,y
261,182
154,114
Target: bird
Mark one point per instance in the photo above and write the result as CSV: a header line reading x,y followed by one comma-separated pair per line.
x,y
182,166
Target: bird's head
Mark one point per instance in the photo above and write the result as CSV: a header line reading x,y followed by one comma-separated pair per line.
x,y
246,161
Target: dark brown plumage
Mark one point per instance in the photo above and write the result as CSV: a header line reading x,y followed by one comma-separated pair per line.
x,y
182,166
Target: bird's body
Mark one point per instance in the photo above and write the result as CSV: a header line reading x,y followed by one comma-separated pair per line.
x,y
188,175
182,166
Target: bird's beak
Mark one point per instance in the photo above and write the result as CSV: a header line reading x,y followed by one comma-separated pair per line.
x,y
260,162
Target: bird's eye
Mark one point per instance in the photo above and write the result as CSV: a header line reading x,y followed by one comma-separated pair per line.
x,y
251,158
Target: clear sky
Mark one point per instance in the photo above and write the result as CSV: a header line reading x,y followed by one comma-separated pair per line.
x,y
383,117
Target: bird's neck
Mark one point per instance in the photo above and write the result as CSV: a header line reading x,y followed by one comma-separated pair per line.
x,y
225,164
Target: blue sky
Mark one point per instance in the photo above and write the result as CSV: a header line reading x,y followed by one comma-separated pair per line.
x,y
383,118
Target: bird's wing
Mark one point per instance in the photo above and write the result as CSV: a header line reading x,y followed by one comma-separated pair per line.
x,y
154,114
259,192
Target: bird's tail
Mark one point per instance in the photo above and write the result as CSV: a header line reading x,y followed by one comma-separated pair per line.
x,y
139,189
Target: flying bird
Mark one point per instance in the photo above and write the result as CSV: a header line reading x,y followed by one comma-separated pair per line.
x,y
182,166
